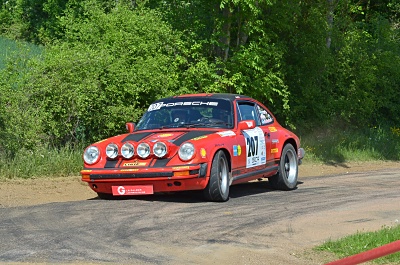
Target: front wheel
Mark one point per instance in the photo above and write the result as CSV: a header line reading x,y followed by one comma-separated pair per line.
x,y
286,178
218,186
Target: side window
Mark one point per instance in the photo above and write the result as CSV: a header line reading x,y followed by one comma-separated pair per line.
x,y
265,116
247,111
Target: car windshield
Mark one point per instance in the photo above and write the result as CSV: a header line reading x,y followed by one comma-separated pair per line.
x,y
187,113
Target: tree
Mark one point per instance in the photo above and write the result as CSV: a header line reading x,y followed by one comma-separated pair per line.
x,y
106,70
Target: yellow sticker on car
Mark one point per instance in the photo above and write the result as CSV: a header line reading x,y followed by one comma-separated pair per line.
x,y
199,138
203,152
165,135
134,164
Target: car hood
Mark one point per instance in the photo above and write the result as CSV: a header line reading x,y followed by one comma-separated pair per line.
x,y
175,137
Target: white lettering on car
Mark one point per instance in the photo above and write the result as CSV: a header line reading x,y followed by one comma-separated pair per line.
x,y
155,106
159,105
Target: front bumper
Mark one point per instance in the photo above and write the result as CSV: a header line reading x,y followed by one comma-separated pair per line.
x,y
180,178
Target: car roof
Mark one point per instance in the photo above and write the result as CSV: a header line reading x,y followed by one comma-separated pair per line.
x,y
226,96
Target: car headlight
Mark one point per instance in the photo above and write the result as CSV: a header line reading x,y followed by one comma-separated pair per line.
x,y
143,150
186,151
91,155
112,151
127,150
160,149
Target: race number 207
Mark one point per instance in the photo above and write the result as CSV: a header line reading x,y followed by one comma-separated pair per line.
x,y
255,147
252,146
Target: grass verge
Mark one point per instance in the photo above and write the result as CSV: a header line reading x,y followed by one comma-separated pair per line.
x,y
337,145
42,163
328,146
361,242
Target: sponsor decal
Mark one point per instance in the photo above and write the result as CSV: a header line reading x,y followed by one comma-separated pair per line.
x,y
264,115
155,106
132,190
249,123
203,153
275,141
180,168
237,150
274,150
226,133
272,129
121,190
134,164
159,105
255,147
165,135
130,170
200,137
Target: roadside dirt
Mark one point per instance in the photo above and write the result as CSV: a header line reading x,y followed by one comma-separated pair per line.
x,y
14,193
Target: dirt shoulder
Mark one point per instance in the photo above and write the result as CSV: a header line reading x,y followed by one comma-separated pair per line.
x,y
20,192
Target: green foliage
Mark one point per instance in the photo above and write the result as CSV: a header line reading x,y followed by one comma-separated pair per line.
x,y
363,241
316,64
107,70
20,119
230,49
34,21
9,49
42,162
340,143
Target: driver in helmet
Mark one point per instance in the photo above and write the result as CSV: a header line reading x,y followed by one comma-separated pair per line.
x,y
179,116
220,114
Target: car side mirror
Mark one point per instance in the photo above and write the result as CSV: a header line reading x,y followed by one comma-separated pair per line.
x,y
130,127
247,124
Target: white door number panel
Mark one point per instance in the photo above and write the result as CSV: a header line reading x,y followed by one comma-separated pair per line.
x,y
255,147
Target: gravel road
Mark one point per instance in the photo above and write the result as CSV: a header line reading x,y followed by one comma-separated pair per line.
x,y
256,226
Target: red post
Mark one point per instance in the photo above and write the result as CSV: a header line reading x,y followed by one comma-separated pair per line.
x,y
369,254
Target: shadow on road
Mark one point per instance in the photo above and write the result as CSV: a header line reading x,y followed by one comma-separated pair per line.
x,y
236,191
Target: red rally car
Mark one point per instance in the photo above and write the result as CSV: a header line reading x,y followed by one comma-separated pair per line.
x,y
195,142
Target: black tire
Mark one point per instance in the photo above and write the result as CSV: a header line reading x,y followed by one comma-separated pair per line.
x,y
217,189
105,196
286,178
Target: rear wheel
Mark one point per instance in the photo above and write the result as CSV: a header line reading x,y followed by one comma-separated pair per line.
x,y
286,178
218,186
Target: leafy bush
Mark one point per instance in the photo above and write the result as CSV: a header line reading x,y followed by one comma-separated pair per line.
x,y
106,72
20,119
339,143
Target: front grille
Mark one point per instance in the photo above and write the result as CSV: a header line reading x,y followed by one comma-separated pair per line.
x,y
139,175
124,176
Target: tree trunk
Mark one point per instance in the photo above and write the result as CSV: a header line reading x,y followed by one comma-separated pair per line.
x,y
331,10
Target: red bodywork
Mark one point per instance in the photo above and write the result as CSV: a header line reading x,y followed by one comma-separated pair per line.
x,y
136,176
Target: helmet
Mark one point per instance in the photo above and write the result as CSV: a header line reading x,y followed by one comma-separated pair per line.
x,y
179,115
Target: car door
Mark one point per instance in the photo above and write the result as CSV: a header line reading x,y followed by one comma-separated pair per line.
x,y
252,143
270,133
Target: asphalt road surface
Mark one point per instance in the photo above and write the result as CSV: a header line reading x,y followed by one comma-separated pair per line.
x,y
256,224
